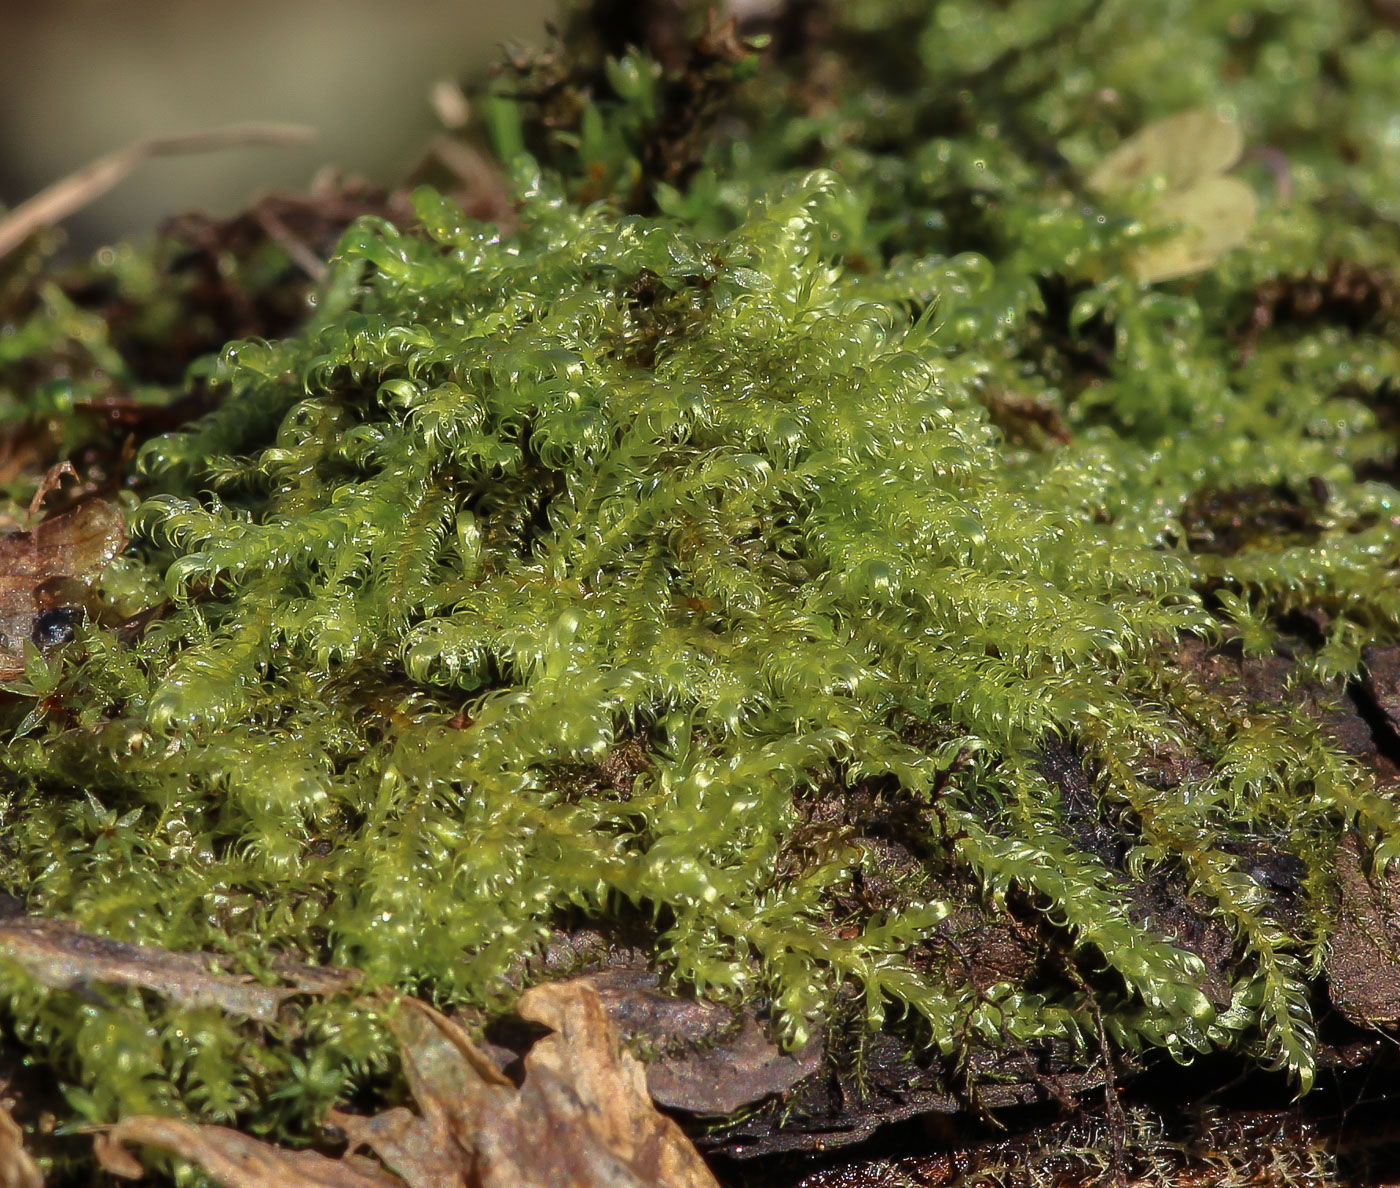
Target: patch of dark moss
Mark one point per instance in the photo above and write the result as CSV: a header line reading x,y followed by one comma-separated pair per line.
x,y
1235,520
1346,294
1068,354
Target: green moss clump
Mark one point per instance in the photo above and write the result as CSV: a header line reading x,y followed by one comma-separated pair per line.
x,y
884,481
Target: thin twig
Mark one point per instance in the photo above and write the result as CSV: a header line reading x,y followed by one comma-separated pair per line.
x,y
70,194
285,238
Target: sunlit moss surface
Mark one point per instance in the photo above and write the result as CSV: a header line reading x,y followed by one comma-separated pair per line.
x,y
859,459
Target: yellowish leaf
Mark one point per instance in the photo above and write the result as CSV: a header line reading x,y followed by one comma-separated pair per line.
x,y
1187,156
1182,149
1215,215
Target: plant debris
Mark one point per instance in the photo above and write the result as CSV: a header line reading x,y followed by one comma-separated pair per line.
x,y
1150,1148
44,575
701,1057
1190,153
579,1117
1344,293
70,194
237,1160
1363,962
60,956
17,1166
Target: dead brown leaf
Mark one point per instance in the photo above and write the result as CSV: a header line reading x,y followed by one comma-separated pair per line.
x,y
581,1117
48,569
61,956
17,1167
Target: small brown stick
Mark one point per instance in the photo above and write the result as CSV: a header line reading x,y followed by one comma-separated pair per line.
x,y
282,235
51,482
70,194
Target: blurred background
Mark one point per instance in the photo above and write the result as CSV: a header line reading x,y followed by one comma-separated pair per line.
x,y
79,78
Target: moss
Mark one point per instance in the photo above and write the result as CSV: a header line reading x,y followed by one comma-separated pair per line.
x,y
884,477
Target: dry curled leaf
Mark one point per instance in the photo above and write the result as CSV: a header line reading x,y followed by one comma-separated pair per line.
x,y
61,956
46,570
1190,152
581,1117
